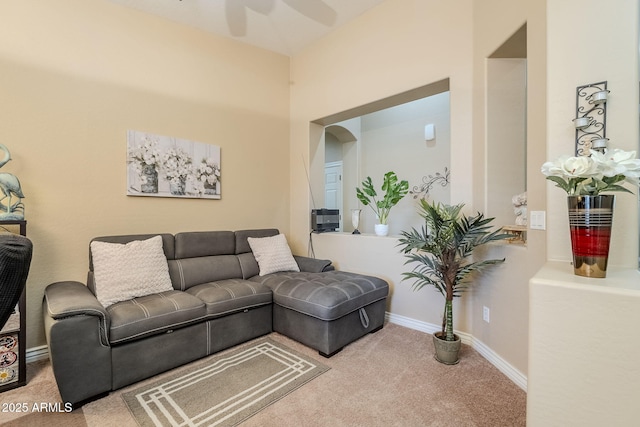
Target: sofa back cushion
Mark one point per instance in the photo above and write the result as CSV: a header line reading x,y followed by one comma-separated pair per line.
x,y
248,262
203,257
194,244
242,245
198,257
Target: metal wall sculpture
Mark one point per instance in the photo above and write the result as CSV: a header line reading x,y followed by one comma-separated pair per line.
x,y
428,182
591,118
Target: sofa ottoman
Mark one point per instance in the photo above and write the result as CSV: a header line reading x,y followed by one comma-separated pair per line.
x,y
329,311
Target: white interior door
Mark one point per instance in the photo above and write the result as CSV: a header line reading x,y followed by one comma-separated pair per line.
x,y
333,188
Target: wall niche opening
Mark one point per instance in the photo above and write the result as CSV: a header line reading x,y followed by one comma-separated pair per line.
x,y
386,135
506,124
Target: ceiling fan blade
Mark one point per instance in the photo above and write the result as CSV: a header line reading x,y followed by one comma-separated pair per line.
x,y
317,10
262,6
236,12
236,17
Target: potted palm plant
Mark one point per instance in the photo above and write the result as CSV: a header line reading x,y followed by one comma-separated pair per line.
x,y
394,191
441,251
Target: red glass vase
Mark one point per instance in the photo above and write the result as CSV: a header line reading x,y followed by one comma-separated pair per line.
x,y
590,220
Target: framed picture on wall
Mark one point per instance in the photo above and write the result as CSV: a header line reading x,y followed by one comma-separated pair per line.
x,y
164,166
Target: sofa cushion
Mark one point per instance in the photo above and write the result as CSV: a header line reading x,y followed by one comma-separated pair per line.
x,y
195,244
232,295
327,296
242,245
273,254
153,314
125,271
248,265
188,272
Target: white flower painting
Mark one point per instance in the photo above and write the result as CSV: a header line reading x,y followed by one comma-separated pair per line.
x,y
163,166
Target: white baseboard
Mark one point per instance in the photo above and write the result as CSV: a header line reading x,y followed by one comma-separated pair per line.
x,y
512,373
34,354
492,357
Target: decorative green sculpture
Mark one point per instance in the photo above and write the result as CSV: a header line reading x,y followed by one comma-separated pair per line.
x,y
9,185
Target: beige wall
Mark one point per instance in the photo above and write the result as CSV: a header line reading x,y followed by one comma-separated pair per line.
x,y
505,290
506,102
393,140
596,356
567,381
577,57
400,45
393,48
77,74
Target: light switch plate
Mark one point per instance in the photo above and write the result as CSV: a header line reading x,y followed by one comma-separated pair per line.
x,y
537,220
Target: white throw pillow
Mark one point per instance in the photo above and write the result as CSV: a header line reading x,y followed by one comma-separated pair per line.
x,y
126,271
273,254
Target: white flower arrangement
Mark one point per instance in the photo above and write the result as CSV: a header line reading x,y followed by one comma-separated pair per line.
x,y
594,174
208,171
145,154
207,175
176,165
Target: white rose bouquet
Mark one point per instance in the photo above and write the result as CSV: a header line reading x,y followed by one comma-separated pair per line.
x,y
207,175
145,154
208,171
176,164
592,175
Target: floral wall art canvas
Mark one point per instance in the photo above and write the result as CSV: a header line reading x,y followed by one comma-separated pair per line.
x,y
164,166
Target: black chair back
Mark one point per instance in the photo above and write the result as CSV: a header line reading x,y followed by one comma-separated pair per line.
x,y
15,260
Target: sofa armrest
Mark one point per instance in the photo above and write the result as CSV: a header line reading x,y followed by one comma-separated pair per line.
x,y
68,299
76,327
313,265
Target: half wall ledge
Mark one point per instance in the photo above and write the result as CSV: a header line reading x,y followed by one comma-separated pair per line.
x,y
584,343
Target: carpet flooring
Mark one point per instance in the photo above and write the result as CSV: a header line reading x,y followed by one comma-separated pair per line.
x,y
224,390
389,378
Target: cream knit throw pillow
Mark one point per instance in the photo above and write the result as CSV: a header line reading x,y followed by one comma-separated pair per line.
x,y
126,271
273,254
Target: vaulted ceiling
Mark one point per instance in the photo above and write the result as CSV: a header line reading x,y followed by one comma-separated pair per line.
x,y
283,26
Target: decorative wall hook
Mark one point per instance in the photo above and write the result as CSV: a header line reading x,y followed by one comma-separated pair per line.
x,y
591,118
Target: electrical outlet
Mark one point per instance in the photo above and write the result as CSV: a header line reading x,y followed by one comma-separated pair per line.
x,y
485,313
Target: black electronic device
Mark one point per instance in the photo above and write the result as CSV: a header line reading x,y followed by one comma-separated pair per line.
x,y
325,220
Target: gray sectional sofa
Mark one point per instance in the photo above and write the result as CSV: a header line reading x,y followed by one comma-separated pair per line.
x,y
218,300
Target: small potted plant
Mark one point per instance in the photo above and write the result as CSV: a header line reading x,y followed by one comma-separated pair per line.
x,y
441,251
394,191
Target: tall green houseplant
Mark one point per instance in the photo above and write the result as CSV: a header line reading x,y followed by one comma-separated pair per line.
x,y
441,252
394,191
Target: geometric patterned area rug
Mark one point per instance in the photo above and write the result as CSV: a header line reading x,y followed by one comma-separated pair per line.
x,y
223,390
